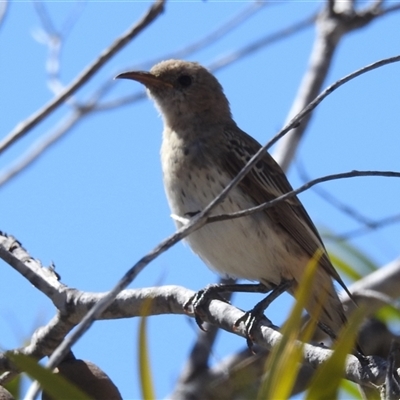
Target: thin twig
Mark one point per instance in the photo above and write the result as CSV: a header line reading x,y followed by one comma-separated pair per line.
x,y
39,147
368,223
333,22
392,8
261,43
3,11
24,127
210,38
303,188
332,200
372,225
54,39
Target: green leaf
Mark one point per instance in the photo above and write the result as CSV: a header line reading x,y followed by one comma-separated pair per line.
x,y
344,267
388,314
146,381
358,264
14,386
327,379
284,361
55,385
351,389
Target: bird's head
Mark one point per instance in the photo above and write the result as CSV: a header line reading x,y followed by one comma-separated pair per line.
x,y
184,92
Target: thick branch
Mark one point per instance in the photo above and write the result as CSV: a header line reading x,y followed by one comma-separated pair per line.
x,y
164,300
167,300
337,19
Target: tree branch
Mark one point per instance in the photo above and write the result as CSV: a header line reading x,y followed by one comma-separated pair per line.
x,y
73,305
303,188
3,10
22,128
83,110
337,19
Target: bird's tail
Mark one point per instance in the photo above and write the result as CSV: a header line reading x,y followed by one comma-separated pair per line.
x,y
325,306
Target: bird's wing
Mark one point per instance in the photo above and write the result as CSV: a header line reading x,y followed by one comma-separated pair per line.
x,y
265,182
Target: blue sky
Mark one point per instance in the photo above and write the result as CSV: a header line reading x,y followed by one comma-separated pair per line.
x,y
94,203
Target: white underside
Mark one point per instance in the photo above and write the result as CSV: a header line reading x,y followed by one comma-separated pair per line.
x,y
243,248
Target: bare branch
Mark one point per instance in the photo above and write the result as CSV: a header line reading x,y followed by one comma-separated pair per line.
x,y
385,280
15,255
261,43
167,300
303,188
83,110
243,368
332,200
63,127
212,37
24,127
372,225
368,223
3,10
392,8
74,305
54,39
40,146
44,18
339,18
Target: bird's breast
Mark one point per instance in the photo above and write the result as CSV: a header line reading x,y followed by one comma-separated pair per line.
x,y
245,247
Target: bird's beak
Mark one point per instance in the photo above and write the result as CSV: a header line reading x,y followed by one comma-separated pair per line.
x,y
146,78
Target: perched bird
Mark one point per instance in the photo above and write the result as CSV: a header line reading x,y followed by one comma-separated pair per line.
x,y
202,151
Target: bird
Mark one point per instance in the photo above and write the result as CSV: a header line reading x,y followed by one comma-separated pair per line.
x,y
202,150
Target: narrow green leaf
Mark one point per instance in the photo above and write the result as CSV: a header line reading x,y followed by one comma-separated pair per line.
x,y
351,389
284,361
360,264
325,384
146,381
361,257
55,385
388,314
14,386
344,267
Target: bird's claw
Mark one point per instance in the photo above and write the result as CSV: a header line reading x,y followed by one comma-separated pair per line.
x,y
197,303
194,306
251,319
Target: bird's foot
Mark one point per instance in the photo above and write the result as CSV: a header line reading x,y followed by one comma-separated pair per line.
x,y
198,302
251,319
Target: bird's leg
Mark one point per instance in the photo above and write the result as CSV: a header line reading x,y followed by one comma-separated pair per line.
x,y
204,296
252,317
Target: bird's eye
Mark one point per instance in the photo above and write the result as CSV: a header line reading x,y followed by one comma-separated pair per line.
x,y
185,80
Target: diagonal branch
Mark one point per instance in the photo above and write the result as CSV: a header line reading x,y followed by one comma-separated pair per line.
x,y
336,20
3,10
303,188
74,304
93,105
22,128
